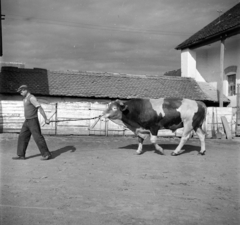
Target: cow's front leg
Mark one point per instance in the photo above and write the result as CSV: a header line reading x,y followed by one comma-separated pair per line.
x,y
153,140
140,145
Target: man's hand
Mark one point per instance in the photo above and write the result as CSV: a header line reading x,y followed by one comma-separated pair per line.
x,y
47,121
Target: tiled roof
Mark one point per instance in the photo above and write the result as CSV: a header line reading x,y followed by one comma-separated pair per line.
x,y
210,91
99,85
226,23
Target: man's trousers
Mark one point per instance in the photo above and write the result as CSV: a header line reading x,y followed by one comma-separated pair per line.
x,y
31,127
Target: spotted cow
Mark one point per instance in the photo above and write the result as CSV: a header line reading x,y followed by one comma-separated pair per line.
x,y
147,116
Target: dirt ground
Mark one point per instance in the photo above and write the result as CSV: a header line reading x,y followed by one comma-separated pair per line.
x,y
101,181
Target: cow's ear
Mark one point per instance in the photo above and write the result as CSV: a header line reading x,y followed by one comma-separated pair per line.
x,y
123,107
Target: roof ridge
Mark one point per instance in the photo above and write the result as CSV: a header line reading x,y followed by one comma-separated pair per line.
x,y
98,73
112,74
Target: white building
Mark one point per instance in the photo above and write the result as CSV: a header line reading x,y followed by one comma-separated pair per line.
x,y
212,54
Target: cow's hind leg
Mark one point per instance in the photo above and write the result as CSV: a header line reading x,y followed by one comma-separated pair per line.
x,y
185,136
153,140
140,145
201,135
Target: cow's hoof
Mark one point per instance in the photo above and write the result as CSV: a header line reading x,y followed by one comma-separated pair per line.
x,y
174,154
202,153
139,153
159,152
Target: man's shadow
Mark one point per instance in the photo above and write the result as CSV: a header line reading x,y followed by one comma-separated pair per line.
x,y
166,147
57,152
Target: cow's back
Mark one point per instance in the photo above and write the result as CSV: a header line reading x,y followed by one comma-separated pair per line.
x,y
167,113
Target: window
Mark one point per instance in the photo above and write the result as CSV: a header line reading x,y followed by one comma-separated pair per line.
x,y
231,84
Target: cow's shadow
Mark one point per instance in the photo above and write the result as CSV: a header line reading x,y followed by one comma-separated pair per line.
x,y
166,147
57,152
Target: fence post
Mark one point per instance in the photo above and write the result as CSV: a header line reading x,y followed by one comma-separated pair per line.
x,y
56,117
106,127
237,128
106,123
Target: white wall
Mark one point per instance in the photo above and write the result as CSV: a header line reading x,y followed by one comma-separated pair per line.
x,y
188,63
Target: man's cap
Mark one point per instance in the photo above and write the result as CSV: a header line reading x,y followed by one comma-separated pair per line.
x,y
22,87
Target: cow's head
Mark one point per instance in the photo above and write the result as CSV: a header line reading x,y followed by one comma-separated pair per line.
x,y
114,110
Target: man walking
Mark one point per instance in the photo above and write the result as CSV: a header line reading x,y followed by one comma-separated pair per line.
x,y
31,126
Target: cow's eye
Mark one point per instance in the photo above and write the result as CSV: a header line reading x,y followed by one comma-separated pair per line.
x,y
114,108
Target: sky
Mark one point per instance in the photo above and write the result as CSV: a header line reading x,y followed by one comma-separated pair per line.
x,y
119,36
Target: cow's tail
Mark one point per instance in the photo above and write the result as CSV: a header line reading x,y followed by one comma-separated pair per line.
x,y
204,121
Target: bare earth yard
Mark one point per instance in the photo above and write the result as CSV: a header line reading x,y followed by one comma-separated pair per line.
x,y
100,181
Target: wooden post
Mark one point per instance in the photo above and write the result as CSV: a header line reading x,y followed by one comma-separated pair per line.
x,y
56,118
221,73
1,51
1,18
237,130
106,124
106,127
